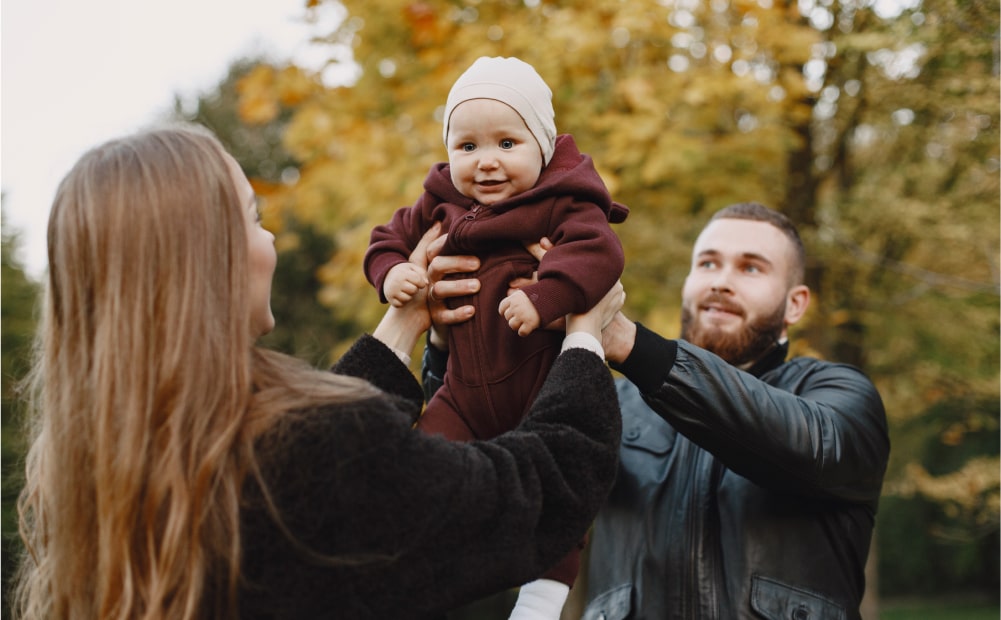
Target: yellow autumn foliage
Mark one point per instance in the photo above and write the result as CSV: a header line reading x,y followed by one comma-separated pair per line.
x,y
887,160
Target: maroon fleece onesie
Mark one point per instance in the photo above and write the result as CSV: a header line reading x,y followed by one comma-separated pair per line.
x,y
493,373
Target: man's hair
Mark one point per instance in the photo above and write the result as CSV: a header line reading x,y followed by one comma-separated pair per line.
x,y
758,212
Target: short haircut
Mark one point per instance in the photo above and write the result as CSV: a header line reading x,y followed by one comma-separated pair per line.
x,y
758,212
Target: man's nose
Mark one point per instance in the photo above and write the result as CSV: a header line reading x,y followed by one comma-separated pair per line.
x,y
721,280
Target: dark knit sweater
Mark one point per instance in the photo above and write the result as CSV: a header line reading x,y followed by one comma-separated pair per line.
x,y
415,525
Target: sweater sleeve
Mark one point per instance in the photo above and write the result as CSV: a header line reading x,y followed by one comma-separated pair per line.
x,y
370,359
420,524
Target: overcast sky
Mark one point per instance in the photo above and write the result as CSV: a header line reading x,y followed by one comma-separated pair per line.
x,y
75,73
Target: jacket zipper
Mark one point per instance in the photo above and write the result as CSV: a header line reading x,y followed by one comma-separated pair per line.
x,y
689,597
702,564
712,539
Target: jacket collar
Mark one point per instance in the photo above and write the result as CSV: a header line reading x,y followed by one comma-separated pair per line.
x,y
770,360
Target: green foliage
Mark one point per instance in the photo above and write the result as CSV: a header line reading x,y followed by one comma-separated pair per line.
x,y
17,325
915,559
303,327
961,609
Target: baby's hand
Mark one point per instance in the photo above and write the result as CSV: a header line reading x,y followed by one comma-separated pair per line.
x,y
403,282
520,313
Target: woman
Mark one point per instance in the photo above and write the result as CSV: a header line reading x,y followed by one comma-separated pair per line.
x,y
177,471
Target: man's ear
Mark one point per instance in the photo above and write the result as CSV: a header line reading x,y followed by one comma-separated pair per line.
x,y
797,301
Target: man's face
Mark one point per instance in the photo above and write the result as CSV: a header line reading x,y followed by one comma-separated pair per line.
x,y
738,298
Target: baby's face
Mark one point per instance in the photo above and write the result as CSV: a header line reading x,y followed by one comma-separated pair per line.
x,y
491,152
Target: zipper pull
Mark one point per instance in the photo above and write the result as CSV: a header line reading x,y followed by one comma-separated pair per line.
x,y
472,213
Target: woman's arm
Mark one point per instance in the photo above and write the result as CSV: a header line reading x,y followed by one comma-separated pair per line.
x,y
438,523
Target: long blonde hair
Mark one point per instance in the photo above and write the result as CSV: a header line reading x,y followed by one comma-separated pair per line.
x,y
146,389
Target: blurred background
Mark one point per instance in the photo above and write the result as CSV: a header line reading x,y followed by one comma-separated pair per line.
x,y
873,124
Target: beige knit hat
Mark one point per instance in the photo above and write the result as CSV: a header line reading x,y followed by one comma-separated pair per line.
x,y
515,83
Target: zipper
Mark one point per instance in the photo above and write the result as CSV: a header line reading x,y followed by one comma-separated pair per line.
x,y
714,578
703,571
458,228
689,597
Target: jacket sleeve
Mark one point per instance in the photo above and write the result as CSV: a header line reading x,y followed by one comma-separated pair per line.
x,y
585,261
391,244
457,520
822,434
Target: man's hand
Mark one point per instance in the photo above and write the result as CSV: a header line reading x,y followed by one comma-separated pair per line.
x,y
440,289
618,334
618,338
538,250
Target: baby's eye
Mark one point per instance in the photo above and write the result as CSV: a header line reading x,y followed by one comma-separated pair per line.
x,y
469,147
507,143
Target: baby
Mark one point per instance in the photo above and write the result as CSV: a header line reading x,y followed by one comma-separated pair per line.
x,y
509,180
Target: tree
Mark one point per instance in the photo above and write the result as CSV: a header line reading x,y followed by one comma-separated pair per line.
x,y
873,125
921,281
304,327
17,326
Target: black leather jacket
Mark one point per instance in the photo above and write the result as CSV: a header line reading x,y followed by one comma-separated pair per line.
x,y
740,494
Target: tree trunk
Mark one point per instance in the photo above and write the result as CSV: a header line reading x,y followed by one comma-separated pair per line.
x,y
870,601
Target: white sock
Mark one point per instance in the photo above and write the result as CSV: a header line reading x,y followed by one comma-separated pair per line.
x,y
541,599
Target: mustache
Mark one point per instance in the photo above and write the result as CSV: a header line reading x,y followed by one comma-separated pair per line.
x,y
715,299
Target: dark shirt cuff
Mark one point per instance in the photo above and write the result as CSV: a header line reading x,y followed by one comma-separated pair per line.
x,y
433,368
435,360
650,361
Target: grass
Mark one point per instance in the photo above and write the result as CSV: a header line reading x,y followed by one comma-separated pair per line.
x,y
972,608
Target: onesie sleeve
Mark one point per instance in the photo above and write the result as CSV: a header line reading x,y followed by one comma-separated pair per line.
x,y
391,244
586,260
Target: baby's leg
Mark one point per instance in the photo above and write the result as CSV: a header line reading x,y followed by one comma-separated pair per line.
x,y
439,418
543,599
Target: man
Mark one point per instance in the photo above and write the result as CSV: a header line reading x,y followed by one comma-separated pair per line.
x,y
748,484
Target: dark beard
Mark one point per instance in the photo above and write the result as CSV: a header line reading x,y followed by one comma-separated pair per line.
x,y
747,345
